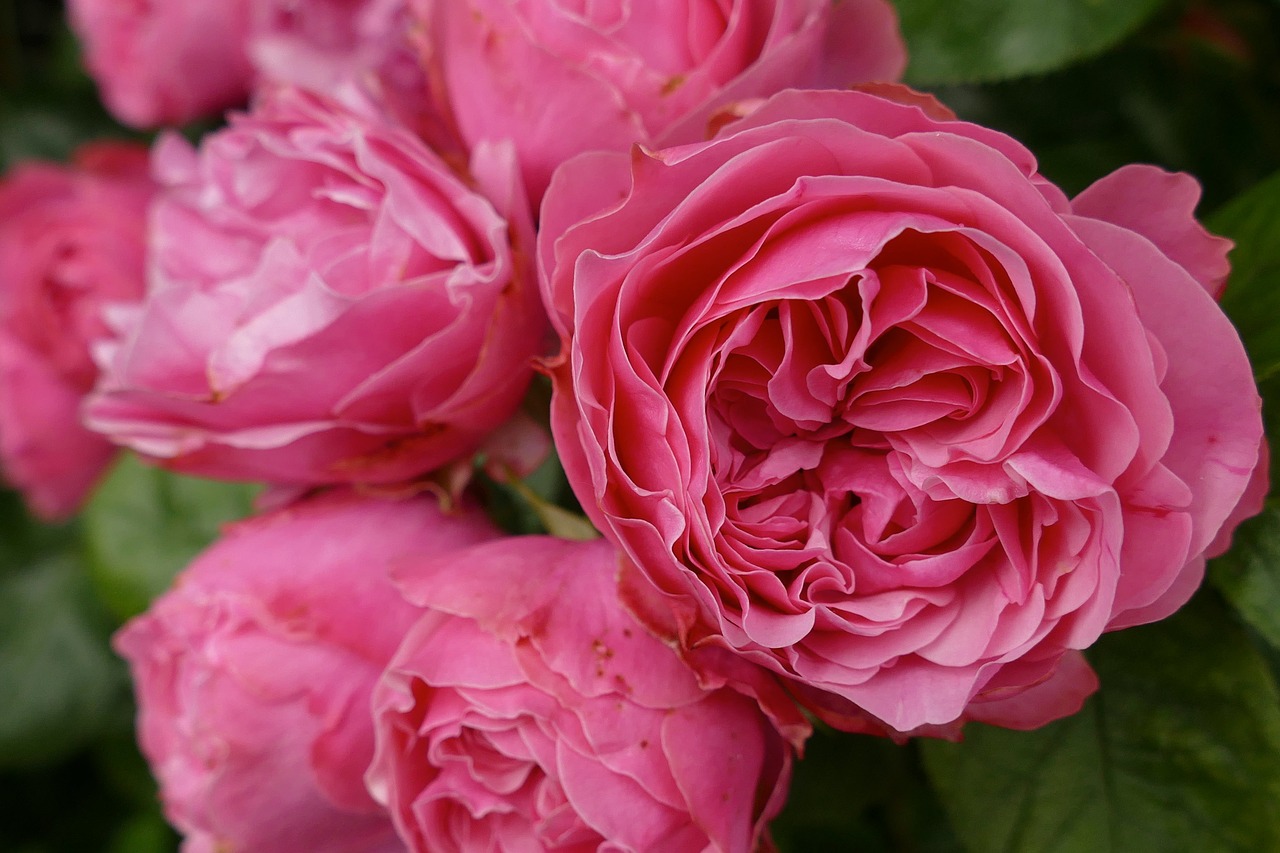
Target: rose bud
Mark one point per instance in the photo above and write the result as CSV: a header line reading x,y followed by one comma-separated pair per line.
x,y
868,401
328,302
72,245
527,711
559,79
254,673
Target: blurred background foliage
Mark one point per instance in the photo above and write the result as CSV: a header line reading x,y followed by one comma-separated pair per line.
x,y
1180,750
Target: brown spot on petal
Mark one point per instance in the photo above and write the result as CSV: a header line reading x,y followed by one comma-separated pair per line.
x,y
674,83
731,113
390,454
907,96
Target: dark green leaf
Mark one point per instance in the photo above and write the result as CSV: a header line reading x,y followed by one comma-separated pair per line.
x,y
70,807
1249,574
856,792
1253,294
58,679
120,767
22,538
145,524
38,134
48,107
554,519
1180,750
145,833
956,41
1171,93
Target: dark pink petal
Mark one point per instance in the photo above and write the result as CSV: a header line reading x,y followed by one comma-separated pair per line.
x,y
1160,206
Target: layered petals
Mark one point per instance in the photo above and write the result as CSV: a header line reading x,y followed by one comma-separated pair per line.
x,y
624,73
254,674
328,303
72,252
527,711
867,401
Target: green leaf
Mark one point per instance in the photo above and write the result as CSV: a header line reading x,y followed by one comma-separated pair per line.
x,y
58,679
71,807
856,792
22,538
1252,299
144,833
554,519
958,41
542,502
37,134
120,768
1180,750
1249,574
145,524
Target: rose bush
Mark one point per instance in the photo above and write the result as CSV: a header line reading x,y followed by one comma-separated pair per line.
x,y
72,244
870,402
527,711
561,78
328,302
254,673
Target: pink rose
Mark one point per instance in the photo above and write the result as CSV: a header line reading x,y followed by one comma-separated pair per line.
x,y
254,673
356,51
560,78
328,302
166,61
868,401
72,244
527,711
322,43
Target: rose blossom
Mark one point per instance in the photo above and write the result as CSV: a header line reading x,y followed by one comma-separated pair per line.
x,y
166,61
321,44
867,400
356,51
328,302
560,78
527,711
72,243
254,673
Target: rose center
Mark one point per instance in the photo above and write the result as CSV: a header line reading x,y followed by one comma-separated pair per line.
x,y
817,408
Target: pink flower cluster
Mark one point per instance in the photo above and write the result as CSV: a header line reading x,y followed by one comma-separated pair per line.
x,y
877,424
357,674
